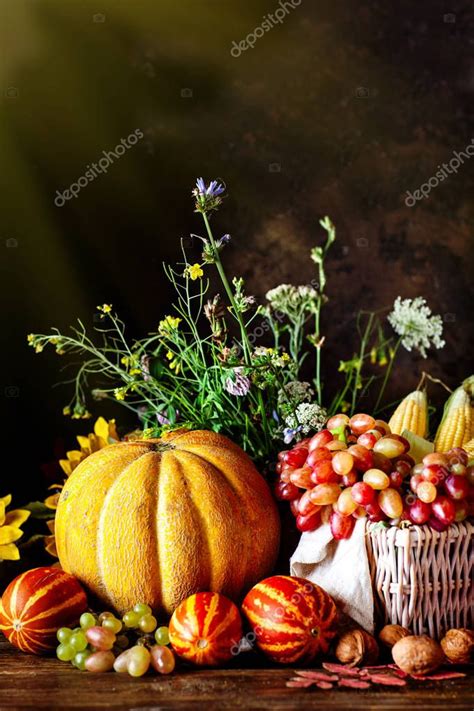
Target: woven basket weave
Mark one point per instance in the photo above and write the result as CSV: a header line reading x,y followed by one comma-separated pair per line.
x,y
422,579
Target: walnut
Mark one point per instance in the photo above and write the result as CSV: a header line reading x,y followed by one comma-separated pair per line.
x,y
458,645
417,655
390,634
357,647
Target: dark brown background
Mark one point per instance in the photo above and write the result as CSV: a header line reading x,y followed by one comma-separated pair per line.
x,y
339,111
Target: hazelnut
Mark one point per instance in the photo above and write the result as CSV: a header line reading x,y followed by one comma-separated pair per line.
x,y
357,647
458,645
390,634
417,655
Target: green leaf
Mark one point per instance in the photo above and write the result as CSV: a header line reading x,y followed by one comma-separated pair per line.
x,y
39,510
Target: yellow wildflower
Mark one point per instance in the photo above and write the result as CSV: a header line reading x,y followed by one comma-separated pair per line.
x,y
10,530
120,393
66,410
373,356
30,338
135,371
194,271
383,360
39,348
125,360
169,323
105,308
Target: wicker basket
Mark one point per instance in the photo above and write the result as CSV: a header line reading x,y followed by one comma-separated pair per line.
x,y
422,579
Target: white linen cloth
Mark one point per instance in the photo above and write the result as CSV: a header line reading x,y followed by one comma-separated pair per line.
x,y
340,567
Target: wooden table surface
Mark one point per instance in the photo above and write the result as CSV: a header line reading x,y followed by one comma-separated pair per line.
x,y
28,682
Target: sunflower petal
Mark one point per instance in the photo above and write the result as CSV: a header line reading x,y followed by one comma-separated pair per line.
x,y
51,525
6,500
9,534
50,546
16,517
9,552
2,513
51,502
101,428
84,443
65,465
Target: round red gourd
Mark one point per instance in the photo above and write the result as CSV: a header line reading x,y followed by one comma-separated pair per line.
x,y
206,629
36,604
293,619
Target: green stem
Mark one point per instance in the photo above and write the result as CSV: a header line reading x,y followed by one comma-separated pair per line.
x,y
245,342
318,353
387,374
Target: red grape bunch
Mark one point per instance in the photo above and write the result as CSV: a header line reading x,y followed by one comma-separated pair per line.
x,y
358,468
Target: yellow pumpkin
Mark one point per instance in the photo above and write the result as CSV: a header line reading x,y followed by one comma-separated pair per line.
x,y
158,520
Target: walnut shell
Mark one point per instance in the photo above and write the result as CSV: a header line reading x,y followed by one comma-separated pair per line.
x,y
458,645
390,634
357,647
417,655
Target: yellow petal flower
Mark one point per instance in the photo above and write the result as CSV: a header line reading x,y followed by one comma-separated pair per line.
x,y
194,271
52,501
6,500
16,517
9,552
101,428
9,534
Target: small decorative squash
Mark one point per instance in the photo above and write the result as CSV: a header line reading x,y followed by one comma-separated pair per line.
x,y
36,604
158,520
293,619
206,629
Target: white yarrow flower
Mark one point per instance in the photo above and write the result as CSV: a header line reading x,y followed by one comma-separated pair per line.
x,y
308,417
418,328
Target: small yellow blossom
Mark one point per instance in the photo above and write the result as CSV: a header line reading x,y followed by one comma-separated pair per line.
x,y
125,360
105,308
66,410
194,271
120,393
383,360
174,362
30,338
169,323
10,530
39,348
373,356
135,371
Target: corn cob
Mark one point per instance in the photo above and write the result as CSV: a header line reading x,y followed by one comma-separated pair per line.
x,y
469,447
455,427
411,414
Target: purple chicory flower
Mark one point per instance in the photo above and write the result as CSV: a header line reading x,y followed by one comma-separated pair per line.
x,y
239,385
208,197
212,190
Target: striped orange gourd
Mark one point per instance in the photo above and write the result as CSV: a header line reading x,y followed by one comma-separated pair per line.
x,y
206,629
157,520
36,604
293,619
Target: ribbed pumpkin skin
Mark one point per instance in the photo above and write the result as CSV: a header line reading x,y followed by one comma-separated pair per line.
x,y
205,629
36,604
293,619
157,520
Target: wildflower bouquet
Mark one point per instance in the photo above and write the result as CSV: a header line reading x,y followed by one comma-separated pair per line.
x,y
222,362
